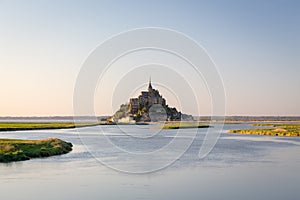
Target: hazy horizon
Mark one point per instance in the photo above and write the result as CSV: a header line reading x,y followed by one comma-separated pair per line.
x,y
255,45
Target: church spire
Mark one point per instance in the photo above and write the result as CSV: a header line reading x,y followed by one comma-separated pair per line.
x,y
150,86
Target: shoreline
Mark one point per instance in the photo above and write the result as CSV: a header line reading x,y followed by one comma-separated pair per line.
x,y
277,130
13,150
25,126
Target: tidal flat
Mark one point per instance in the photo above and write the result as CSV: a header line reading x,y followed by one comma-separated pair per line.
x,y
181,125
21,126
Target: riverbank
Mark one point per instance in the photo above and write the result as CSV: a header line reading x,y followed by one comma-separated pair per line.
x,y
19,150
283,130
22,126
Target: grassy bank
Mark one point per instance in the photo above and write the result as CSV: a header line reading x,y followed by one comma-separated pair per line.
x,y
179,125
288,130
18,150
20,126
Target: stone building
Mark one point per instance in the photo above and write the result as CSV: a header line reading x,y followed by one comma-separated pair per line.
x,y
145,100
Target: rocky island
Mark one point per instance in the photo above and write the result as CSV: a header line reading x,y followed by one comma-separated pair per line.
x,y
149,106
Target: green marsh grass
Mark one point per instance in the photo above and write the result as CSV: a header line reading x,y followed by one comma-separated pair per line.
x,y
181,125
19,150
287,130
19,126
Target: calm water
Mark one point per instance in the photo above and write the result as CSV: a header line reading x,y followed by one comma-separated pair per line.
x,y
239,167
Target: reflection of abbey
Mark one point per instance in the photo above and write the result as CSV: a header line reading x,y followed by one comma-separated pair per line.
x,y
148,106
146,100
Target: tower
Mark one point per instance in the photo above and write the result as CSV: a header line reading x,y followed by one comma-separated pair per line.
x,y
150,86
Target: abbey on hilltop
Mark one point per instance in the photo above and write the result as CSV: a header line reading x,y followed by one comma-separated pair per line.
x,y
145,100
148,106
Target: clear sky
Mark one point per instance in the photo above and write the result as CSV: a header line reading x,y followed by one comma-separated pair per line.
x,y
255,44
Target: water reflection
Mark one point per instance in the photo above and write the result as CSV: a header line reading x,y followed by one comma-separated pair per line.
x,y
239,167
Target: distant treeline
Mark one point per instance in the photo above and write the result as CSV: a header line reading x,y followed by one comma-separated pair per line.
x,y
201,118
252,118
54,118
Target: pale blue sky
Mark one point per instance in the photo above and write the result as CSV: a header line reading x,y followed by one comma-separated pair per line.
x,y
255,44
